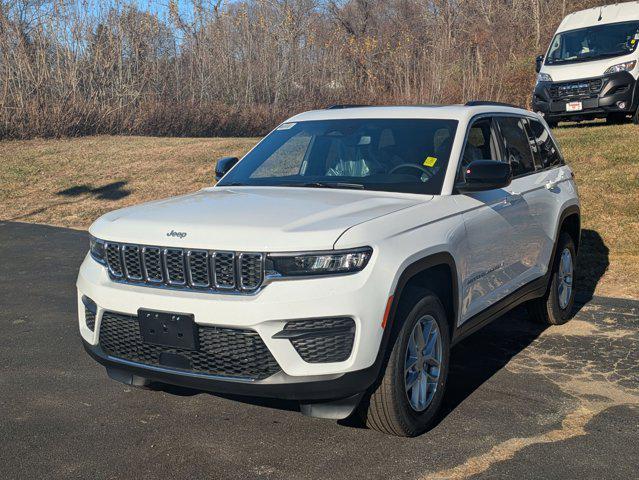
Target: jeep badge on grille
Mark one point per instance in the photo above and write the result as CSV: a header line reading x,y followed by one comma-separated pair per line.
x,y
173,233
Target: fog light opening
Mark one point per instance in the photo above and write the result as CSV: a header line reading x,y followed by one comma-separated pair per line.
x,y
621,105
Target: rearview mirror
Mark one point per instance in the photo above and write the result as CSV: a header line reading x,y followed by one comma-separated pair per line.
x,y
539,62
223,165
485,175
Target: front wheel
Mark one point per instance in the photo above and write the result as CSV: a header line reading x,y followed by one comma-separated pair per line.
x,y
616,118
410,392
555,307
635,117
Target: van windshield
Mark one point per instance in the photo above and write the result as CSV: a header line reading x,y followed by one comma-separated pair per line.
x,y
397,155
593,43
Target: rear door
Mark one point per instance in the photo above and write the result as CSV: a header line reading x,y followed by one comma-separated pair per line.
x,y
552,185
528,199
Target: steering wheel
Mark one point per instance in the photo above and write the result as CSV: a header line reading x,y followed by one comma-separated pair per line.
x,y
416,166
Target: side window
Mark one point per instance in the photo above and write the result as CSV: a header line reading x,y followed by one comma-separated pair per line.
x,y
548,151
481,144
517,144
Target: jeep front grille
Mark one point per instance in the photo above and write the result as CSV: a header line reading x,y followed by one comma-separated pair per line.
x,y
185,269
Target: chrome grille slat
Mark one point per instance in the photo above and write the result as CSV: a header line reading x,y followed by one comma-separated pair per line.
x,y
174,266
152,263
179,268
250,270
198,268
224,272
114,260
132,263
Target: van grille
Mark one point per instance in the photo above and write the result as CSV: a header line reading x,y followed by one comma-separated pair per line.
x,y
185,269
579,89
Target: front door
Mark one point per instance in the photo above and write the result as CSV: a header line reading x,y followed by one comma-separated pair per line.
x,y
492,219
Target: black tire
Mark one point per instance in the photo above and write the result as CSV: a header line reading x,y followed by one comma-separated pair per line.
x,y
547,309
635,117
616,118
552,123
387,408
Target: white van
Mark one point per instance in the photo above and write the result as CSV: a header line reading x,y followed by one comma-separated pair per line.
x,y
591,69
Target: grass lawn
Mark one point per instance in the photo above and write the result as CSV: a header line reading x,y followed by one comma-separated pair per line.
x,y
71,182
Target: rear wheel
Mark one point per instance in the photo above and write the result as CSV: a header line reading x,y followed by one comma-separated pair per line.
x,y
555,307
408,396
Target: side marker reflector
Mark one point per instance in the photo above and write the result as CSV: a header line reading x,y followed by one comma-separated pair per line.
x,y
389,304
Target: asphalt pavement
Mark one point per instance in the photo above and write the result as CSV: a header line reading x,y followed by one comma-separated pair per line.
x,y
523,401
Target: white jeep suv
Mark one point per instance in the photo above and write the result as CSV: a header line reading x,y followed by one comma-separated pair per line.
x,y
338,261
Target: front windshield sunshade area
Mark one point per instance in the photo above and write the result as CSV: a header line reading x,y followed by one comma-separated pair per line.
x,y
402,155
592,43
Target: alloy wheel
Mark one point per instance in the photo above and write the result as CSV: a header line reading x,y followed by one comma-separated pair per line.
x,y
422,366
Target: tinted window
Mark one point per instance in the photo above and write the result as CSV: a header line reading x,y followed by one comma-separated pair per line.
x,y
480,144
403,155
516,144
595,42
548,151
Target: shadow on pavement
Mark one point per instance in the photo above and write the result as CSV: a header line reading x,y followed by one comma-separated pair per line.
x,y
592,263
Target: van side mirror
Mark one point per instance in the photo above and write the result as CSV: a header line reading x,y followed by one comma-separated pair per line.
x,y
539,62
223,165
485,175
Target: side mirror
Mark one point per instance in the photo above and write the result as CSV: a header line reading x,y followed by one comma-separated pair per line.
x,y
223,165
485,175
539,62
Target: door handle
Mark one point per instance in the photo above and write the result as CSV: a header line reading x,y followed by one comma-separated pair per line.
x,y
514,197
553,183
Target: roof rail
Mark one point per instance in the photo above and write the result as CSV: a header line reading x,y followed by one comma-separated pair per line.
x,y
346,105
480,103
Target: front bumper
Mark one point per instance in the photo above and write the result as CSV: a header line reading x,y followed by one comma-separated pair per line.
x,y
280,385
267,312
551,98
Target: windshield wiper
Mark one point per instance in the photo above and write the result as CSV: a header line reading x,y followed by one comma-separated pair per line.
x,y
355,186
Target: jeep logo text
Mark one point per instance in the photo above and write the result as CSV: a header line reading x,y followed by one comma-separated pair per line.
x,y
173,233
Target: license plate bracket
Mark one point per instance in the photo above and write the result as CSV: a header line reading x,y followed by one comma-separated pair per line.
x,y
574,106
176,330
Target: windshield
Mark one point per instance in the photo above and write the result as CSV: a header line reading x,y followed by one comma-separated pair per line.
x,y
392,155
592,43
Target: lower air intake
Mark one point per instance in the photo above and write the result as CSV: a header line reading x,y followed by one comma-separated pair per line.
x,y
222,351
321,340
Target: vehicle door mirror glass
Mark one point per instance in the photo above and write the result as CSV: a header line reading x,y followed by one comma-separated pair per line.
x,y
223,165
539,62
482,175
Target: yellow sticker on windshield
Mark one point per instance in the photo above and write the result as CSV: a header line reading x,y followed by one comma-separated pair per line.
x,y
430,161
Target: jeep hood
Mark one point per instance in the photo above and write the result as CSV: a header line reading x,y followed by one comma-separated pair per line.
x,y
265,219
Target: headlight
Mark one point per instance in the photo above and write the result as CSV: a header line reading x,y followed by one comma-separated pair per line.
x,y
543,77
97,250
621,67
317,263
